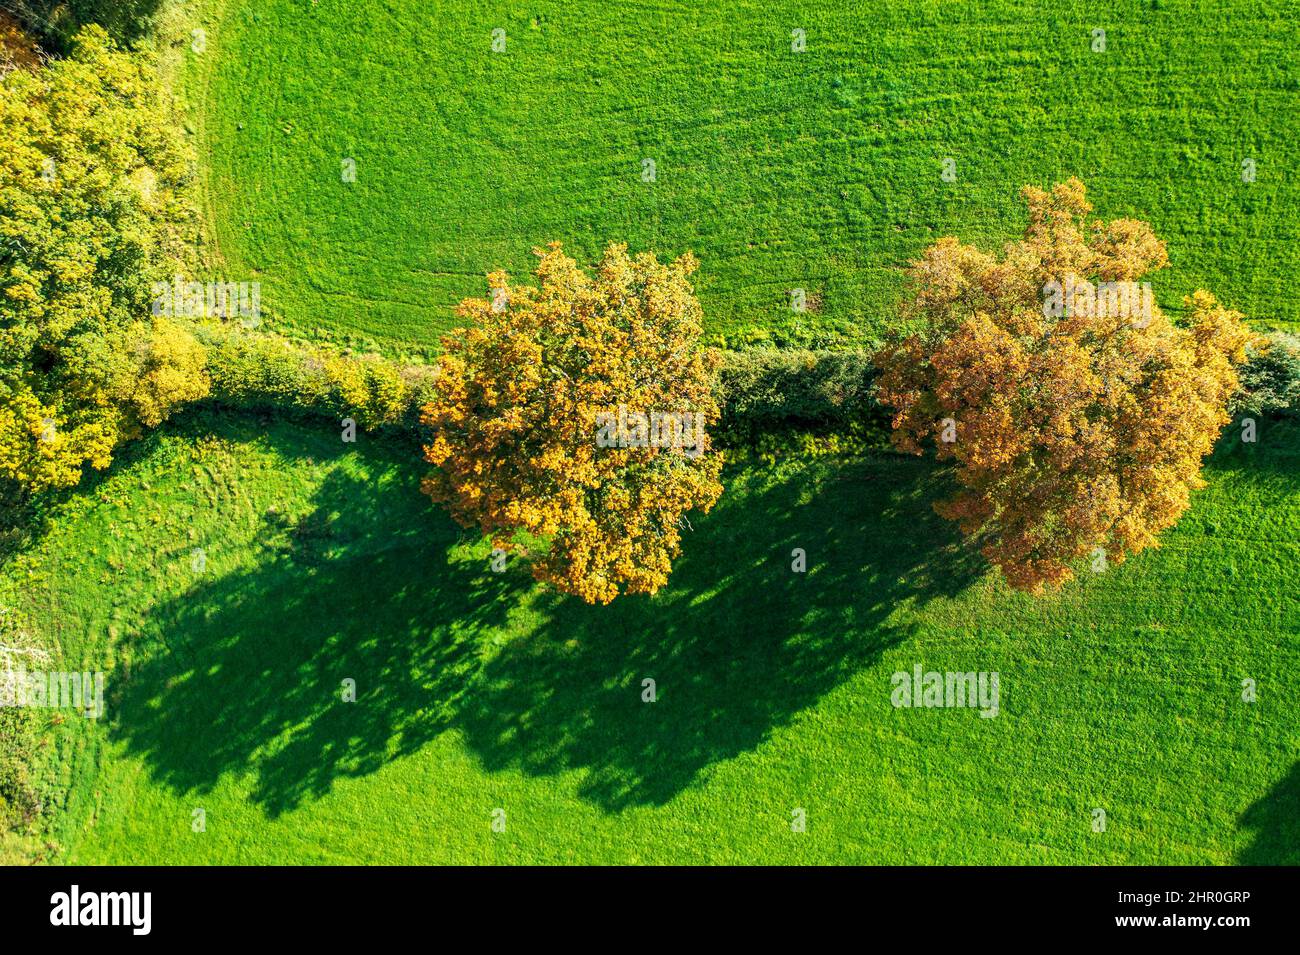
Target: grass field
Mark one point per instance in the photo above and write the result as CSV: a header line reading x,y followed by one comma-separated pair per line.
x,y
818,170
476,691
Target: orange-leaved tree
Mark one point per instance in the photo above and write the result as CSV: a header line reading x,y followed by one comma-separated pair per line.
x,y
1076,414
569,422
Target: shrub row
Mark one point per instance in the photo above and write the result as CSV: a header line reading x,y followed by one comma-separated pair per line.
x,y
766,391
762,392
268,372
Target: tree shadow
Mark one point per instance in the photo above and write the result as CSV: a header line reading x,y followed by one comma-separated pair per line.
x,y
1275,452
251,675
737,645
1275,817
371,586
26,517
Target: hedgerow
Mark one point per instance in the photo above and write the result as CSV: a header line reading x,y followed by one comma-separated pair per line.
x,y
269,372
766,395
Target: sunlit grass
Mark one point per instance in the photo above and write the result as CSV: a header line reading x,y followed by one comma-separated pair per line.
x,y
818,170
477,691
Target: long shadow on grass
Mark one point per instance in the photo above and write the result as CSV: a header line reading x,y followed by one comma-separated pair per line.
x,y
1275,818
738,645
370,586
360,588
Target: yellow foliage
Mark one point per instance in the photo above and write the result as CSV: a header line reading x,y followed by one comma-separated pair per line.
x,y
39,450
372,389
515,419
171,373
92,186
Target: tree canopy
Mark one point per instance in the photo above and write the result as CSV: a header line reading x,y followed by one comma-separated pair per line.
x,y
91,204
569,421
1075,412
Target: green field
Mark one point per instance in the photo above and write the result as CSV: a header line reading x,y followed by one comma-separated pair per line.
x,y
476,691
819,170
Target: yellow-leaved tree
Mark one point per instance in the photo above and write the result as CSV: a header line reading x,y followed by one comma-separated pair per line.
x,y
570,420
1076,413
93,210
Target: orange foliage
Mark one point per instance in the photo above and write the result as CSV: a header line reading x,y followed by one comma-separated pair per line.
x,y
17,50
1071,428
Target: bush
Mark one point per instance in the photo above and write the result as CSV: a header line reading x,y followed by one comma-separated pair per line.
x,y
93,181
767,390
265,371
1270,377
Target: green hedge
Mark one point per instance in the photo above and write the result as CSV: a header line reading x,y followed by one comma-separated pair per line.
x,y
266,371
762,392
1270,378
766,391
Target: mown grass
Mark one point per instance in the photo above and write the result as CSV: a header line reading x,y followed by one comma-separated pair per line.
x,y
478,691
818,170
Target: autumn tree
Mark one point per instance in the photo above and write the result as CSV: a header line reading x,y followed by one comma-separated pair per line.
x,y
569,422
1075,413
91,214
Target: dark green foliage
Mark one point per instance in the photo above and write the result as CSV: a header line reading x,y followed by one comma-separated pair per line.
x,y
56,22
766,390
1270,378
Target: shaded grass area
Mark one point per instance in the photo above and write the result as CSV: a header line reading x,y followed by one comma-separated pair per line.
x,y
477,691
561,696
56,22
818,170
